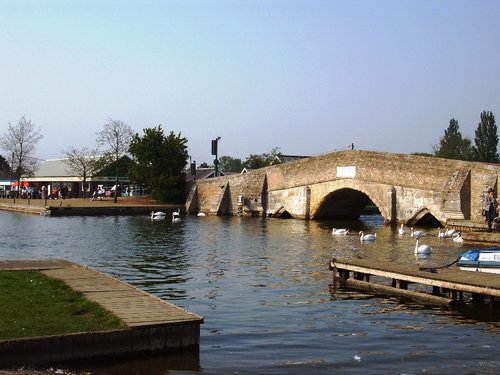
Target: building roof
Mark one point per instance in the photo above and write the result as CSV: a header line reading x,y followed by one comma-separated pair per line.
x,y
53,168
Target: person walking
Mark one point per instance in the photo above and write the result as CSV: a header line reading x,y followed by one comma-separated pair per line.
x,y
490,204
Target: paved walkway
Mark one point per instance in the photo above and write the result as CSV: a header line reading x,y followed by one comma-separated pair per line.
x,y
133,306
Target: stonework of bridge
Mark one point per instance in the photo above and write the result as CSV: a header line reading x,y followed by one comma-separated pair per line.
x,y
405,188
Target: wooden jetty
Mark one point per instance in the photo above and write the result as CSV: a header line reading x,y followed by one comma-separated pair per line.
x,y
474,231
154,325
443,286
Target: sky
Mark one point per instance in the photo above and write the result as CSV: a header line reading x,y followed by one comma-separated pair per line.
x,y
309,77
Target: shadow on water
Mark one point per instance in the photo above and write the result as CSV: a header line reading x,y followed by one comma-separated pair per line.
x,y
143,365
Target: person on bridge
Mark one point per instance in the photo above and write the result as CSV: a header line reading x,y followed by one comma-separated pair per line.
x,y
490,204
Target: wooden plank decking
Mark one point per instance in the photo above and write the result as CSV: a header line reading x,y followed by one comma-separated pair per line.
x,y
154,324
448,284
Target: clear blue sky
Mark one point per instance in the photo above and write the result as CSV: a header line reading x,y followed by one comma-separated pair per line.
x,y
306,76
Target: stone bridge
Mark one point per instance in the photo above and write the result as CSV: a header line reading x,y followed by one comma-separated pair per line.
x,y
407,189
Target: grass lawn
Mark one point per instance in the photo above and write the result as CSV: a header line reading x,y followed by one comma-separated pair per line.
x,y
32,304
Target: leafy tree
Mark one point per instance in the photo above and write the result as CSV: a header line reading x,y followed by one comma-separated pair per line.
x,y
159,161
20,142
274,156
230,164
263,160
452,145
115,139
122,165
486,140
254,161
83,163
4,165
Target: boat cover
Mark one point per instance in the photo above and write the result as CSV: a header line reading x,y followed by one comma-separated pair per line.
x,y
474,254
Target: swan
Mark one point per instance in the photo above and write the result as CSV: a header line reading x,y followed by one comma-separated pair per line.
x,y
200,214
450,232
176,213
367,237
457,238
416,233
441,234
157,217
422,249
401,230
339,232
175,217
158,213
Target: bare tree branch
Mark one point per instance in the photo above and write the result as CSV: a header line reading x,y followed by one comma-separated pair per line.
x,y
20,142
115,139
82,162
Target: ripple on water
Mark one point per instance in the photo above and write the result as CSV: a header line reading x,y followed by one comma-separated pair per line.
x,y
265,291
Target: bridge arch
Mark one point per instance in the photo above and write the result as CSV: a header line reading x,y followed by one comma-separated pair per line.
x,y
347,200
424,218
343,203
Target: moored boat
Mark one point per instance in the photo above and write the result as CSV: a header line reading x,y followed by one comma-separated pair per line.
x,y
481,260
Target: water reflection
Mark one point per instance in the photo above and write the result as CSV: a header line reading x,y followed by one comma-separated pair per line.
x,y
265,291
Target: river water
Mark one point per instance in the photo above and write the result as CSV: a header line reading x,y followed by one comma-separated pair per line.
x,y
266,294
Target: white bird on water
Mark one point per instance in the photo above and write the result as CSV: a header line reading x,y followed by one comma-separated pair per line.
x,y
451,233
422,249
441,234
416,233
457,238
339,231
401,230
200,214
367,237
155,216
175,216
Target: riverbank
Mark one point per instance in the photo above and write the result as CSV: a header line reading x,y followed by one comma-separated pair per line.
x,y
50,371
86,207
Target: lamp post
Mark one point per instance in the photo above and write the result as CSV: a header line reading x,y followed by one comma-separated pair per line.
x,y
214,152
11,192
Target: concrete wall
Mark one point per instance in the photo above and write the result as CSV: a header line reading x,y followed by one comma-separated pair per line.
x,y
108,344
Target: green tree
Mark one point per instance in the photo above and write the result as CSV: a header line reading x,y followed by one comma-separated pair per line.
x,y
4,165
159,161
230,164
254,161
486,140
452,145
274,157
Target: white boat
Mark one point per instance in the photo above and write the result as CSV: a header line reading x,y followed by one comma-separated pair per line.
x,y
484,260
